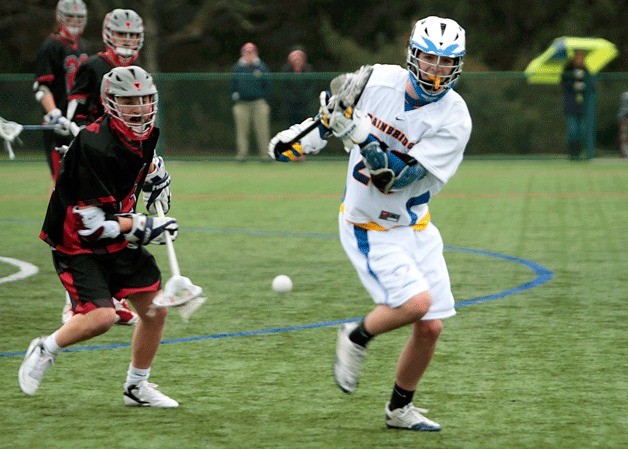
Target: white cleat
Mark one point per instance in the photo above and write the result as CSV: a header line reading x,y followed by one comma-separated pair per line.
x,y
145,394
36,363
125,315
410,418
349,357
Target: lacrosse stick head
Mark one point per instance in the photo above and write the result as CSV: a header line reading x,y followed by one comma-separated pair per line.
x,y
347,89
179,292
9,132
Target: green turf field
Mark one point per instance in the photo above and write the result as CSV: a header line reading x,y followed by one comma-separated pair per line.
x,y
542,368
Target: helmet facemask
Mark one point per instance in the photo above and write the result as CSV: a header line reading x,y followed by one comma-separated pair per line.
x,y
123,33
138,114
435,57
72,16
432,72
130,98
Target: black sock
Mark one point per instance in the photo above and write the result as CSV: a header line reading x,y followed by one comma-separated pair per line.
x,y
360,336
400,397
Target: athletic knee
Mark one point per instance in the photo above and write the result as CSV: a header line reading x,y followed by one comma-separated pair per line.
x,y
428,330
154,316
418,305
105,319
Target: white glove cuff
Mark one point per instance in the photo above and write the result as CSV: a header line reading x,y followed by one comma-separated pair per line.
x,y
111,229
312,142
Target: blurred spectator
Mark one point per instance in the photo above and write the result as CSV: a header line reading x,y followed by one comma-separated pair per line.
x,y
249,89
576,85
298,90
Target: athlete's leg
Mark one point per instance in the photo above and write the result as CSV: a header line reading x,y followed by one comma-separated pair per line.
x,y
384,318
417,353
149,330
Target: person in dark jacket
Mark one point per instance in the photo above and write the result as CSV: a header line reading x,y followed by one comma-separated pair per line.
x,y
250,88
576,83
298,90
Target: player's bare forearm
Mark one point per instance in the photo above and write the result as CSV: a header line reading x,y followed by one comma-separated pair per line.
x,y
48,102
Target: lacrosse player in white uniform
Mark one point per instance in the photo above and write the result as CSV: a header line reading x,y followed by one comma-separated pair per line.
x,y
406,136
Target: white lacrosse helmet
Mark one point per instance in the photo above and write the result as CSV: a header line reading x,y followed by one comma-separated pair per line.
x,y
130,24
440,37
134,121
72,16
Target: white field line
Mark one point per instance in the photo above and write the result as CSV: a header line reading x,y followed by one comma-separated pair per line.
x,y
26,270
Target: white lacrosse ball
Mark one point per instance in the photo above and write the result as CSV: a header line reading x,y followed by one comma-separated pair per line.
x,y
282,284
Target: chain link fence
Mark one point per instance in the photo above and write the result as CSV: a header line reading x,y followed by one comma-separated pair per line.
x,y
510,116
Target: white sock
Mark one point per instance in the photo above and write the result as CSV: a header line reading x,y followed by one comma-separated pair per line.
x,y
135,375
50,344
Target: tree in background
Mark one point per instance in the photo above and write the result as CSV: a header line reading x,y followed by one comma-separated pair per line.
x,y
201,35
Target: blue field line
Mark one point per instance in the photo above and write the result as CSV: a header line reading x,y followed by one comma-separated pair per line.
x,y
542,276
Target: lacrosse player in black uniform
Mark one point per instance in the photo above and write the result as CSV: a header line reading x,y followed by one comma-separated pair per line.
x,y
123,35
98,239
56,65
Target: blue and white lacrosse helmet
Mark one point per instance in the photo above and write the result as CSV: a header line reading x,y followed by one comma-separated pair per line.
x,y
442,38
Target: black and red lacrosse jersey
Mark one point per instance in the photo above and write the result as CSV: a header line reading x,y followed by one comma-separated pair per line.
x,y
87,87
57,63
101,168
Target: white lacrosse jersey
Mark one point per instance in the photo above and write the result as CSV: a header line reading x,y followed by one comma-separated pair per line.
x,y
435,135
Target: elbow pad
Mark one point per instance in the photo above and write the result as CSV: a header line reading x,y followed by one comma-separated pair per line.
x,y
406,169
40,91
390,170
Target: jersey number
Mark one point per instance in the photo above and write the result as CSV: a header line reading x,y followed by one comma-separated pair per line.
x,y
72,63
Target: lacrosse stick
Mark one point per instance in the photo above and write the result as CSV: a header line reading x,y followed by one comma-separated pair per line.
x,y
346,91
9,132
40,127
179,292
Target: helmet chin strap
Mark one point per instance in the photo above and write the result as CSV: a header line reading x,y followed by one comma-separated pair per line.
x,y
423,96
121,60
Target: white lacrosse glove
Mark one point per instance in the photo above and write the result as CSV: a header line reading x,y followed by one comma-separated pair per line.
x,y
95,226
64,127
156,188
147,230
312,143
52,117
62,150
56,118
350,125
75,128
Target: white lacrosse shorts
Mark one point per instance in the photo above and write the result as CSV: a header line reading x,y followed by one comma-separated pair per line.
x,y
399,263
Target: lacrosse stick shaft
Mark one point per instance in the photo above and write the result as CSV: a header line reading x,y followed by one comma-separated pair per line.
x,y
172,257
306,131
39,127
